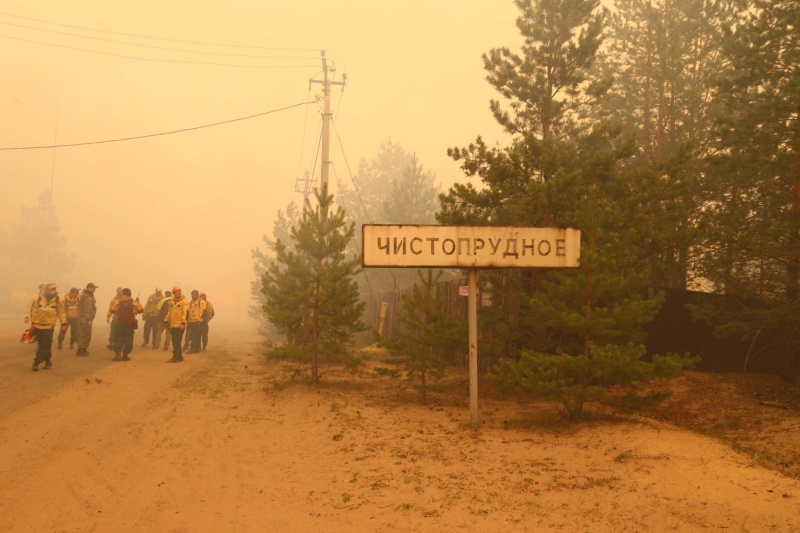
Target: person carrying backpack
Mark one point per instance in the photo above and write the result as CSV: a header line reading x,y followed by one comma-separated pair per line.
x,y
125,310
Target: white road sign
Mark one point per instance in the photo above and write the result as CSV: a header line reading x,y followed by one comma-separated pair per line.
x,y
470,246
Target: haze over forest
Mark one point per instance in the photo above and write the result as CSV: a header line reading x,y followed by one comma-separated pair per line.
x,y
188,208
667,131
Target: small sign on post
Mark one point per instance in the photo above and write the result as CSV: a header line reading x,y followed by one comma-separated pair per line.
x,y
463,290
470,247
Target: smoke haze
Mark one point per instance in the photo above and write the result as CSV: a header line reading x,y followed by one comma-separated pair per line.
x,y
186,209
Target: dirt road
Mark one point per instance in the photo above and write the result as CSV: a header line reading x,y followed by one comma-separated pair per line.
x,y
224,443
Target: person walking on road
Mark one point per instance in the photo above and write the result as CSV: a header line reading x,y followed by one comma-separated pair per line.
x,y
71,308
150,317
29,313
110,319
177,317
43,314
125,312
87,310
163,309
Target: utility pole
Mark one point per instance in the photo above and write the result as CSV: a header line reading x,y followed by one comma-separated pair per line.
x,y
326,118
323,215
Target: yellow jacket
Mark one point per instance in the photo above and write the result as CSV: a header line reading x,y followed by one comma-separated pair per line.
x,y
112,307
197,310
71,305
153,304
44,314
178,312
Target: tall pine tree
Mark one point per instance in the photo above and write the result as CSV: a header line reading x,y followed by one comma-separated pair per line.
x,y
577,331
311,297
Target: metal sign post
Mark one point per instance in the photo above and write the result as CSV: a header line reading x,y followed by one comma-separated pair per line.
x,y
472,317
470,247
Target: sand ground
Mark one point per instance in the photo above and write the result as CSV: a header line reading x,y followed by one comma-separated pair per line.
x,y
224,442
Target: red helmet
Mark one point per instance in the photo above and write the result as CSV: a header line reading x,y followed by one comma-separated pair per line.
x,y
176,289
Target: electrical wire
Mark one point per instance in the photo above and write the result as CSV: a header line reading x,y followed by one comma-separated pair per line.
x,y
151,46
344,156
153,59
316,156
353,241
159,38
156,134
303,141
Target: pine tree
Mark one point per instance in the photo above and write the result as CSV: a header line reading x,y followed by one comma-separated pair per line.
x,y
578,331
262,259
311,297
664,56
391,188
426,336
587,324
754,254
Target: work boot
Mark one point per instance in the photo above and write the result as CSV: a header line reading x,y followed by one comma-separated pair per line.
x,y
47,365
125,357
203,349
35,366
166,348
117,357
71,345
60,345
145,344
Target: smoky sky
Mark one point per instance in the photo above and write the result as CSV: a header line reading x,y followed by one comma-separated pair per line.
x,y
185,209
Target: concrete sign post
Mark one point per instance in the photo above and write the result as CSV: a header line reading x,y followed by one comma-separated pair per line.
x,y
470,247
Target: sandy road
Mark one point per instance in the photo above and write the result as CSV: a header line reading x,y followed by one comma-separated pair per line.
x,y
92,445
223,443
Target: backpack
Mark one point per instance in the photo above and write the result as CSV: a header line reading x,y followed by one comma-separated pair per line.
x,y
125,313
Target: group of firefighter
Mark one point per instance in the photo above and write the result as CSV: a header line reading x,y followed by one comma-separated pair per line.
x,y
168,311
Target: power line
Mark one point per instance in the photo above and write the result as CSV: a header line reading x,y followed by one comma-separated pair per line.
x,y
157,134
344,156
159,38
150,46
354,242
157,60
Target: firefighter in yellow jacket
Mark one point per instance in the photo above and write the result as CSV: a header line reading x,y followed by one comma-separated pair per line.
x,y
44,312
70,302
197,316
177,318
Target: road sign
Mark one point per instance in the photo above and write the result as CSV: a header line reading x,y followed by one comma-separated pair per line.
x,y
470,246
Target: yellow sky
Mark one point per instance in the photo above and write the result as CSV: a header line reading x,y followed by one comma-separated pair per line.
x,y
187,208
